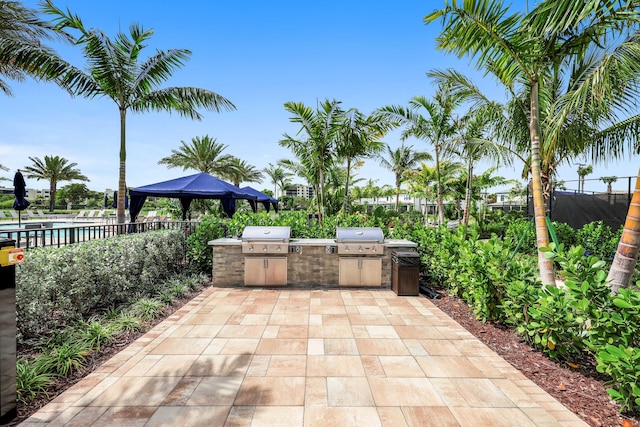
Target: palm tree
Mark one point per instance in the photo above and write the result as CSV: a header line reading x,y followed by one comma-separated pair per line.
x,y
22,53
240,171
471,144
54,169
435,127
280,178
358,140
582,172
321,130
117,72
203,154
519,49
399,161
608,180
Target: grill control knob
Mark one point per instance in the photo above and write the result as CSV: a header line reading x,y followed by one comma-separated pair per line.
x,y
278,249
346,248
250,248
360,249
264,249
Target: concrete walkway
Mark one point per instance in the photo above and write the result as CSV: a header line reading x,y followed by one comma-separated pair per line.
x,y
289,357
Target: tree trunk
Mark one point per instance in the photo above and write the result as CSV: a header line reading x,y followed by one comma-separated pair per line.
x,y
346,186
397,194
120,214
467,202
539,207
439,189
52,196
624,262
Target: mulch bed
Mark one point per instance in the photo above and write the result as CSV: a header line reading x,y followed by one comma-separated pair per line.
x,y
581,390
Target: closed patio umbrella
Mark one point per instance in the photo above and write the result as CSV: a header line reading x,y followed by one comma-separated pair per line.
x,y
20,203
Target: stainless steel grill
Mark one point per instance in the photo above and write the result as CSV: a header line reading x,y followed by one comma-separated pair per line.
x,y
265,240
359,240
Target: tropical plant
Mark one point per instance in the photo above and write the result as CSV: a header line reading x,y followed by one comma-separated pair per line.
x,y
240,171
320,132
400,161
609,180
74,193
203,154
359,140
280,178
527,50
22,52
116,71
431,121
54,169
582,172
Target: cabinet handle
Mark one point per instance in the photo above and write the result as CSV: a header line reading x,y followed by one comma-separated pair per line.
x,y
266,263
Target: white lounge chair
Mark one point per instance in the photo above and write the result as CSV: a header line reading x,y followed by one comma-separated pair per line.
x,y
80,215
2,215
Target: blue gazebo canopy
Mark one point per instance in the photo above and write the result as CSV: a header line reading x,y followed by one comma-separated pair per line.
x,y
265,199
198,186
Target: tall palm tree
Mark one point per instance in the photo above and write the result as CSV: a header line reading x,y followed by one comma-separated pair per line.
x,y
280,178
583,171
431,121
359,139
320,132
54,169
471,144
22,53
519,49
399,161
240,171
203,154
117,71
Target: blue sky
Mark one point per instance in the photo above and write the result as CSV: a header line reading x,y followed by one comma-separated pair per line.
x,y
257,54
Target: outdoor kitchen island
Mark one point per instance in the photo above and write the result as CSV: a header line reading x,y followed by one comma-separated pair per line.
x,y
304,263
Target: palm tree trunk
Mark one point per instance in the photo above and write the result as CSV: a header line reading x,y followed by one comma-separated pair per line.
x,y
624,262
321,211
539,207
346,186
52,195
467,202
122,172
398,183
439,188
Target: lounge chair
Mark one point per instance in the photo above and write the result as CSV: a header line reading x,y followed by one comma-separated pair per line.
x,y
13,214
80,215
2,215
41,214
91,215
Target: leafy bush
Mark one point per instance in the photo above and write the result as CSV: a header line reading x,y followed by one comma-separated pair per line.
x,y
57,286
599,240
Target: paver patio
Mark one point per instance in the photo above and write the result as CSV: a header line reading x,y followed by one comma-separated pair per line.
x,y
300,357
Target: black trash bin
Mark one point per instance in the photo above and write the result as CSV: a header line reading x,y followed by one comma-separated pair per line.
x,y
405,273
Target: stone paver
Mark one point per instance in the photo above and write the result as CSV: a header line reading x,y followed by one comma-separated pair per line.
x,y
300,357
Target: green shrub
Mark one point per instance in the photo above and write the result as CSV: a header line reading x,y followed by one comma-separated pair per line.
x,y
56,287
95,334
147,308
66,358
31,380
599,240
621,363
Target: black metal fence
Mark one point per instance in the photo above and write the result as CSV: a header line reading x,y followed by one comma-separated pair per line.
x,y
44,234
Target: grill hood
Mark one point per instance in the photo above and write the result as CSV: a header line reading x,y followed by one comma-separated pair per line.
x,y
359,235
266,234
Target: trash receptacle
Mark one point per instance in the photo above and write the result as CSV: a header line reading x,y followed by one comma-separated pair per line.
x,y
405,273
